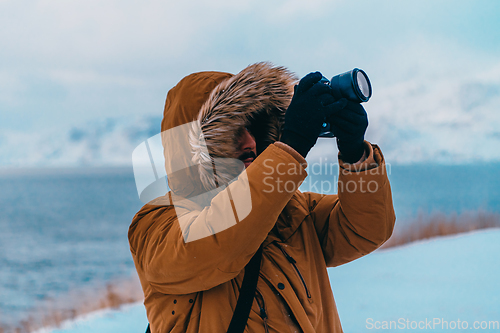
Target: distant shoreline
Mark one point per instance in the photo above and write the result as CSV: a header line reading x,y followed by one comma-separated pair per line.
x,y
48,171
79,305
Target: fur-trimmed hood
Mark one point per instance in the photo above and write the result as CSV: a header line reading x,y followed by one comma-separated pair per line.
x,y
218,106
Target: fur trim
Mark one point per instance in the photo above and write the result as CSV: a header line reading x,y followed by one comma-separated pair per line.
x,y
256,98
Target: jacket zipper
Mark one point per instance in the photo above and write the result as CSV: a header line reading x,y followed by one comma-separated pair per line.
x,y
262,307
293,262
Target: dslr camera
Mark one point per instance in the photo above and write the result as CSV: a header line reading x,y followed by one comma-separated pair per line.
x,y
353,85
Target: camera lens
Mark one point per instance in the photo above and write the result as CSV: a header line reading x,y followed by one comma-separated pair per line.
x,y
353,85
363,85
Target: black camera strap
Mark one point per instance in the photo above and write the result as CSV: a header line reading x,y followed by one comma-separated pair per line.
x,y
247,294
246,297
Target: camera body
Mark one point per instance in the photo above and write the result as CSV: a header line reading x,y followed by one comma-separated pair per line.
x,y
353,85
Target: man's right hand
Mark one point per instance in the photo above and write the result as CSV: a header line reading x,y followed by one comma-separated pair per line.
x,y
311,104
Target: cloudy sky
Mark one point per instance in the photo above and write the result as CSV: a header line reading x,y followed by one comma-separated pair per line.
x,y
434,65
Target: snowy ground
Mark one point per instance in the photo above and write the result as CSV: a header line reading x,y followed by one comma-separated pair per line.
x,y
446,279
129,318
440,285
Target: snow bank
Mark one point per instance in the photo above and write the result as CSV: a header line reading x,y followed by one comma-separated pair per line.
x,y
450,278
453,280
129,318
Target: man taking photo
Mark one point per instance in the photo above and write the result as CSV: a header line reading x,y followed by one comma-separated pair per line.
x,y
234,245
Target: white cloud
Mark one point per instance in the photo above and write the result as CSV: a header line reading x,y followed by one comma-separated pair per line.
x,y
11,87
72,77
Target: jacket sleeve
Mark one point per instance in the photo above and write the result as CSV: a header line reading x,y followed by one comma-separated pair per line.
x,y
173,265
361,217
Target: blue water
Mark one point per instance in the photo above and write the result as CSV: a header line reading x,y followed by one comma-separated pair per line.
x,y
60,231
67,229
447,189
427,189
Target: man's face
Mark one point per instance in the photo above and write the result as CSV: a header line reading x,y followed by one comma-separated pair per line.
x,y
247,148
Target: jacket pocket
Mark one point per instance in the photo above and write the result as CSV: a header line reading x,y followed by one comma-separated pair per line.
x,y
293,262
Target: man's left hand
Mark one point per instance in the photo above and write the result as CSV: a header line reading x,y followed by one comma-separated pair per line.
x,y
349,126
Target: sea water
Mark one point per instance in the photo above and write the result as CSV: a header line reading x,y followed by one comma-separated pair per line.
x,y
62,230
422,188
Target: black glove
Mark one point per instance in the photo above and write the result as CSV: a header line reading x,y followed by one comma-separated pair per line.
x,y
311,104
349,127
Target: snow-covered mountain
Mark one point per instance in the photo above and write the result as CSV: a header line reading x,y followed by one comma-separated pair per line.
x,y
103,142
445,118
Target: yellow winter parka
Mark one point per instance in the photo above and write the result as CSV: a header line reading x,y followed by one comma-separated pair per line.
x,y
190,254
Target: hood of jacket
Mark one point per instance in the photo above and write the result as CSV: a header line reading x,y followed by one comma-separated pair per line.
x,y
207,111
